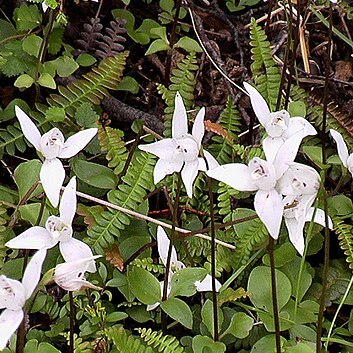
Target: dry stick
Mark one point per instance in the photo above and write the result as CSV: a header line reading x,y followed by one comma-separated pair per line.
x,y
169,257
72,323
327,232
148,219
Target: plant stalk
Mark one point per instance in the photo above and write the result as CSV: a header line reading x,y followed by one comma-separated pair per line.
x,y
72,322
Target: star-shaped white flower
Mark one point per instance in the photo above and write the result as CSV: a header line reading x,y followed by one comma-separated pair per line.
x,y
181,152
301,212
57,230
13,296
278,125
163,243
53,146
261,176
71,275
345,157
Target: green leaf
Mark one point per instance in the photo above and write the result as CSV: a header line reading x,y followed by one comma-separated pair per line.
x,y
65,66
207,316
183,281
46,80
26,175
188,44
315,154
27,17
157,45
161,32
240,325
86,60
259,285
204,344
297,108
285,253
167,5
32,44
267,344
121,282
6,29
30,213
178,310
341,204
144,286
85,115
55,40
24,81
128,84
55,114
116,316
94,174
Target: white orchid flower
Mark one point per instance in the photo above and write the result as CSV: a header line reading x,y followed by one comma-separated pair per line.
x,y
278,125
163,244
71,275
301,212
13,296
345,157
299,179
53,146
44,6
57,230
181,152
261,176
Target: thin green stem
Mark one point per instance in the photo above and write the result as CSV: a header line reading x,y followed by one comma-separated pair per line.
x,y
337,312
274,294
213,263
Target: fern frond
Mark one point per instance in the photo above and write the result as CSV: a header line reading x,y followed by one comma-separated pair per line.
x,y
11,139
254,236
224,261
183,81
345,236
265,72
147,264
347,7
92,87
314,114
130,193
124,342
222,148
112,143
164,343
225,195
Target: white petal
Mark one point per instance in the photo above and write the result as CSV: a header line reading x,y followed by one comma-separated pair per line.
x,y
198,128
163,244
33,271
152,306
12,294
269,208
258,103
165,149
75,250
77,142
287,153
180,119
299,124
271,145
319,217
341,146
188,175
235,175
211,161
165,167
206,284
28,128
68,202
295,232
32,238
52,176
9,322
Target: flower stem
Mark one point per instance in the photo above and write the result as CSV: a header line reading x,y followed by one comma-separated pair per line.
x,y
213,263
21,336
167,270
72,323
274,295
327,231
